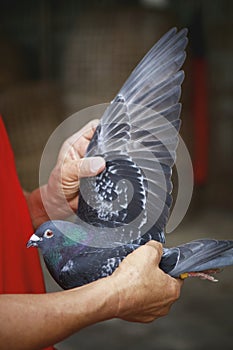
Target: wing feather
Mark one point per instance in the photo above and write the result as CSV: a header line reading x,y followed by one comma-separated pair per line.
x,y
138,136
198,255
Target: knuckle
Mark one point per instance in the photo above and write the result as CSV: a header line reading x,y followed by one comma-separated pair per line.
x,y
174,290
149,319
156,247
164,311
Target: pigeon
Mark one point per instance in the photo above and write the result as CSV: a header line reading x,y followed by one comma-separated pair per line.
x,y
129,202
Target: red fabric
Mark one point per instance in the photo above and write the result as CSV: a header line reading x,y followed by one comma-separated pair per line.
x,y
20,270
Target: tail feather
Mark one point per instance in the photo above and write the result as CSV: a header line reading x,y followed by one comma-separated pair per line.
x,y
198,255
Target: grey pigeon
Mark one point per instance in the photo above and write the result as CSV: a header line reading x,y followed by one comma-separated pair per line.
x,y
128,203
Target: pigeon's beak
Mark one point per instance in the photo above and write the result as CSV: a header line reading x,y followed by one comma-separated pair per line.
x,y
33,241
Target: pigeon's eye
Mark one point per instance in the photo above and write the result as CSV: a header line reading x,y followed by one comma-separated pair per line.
x,y
48,234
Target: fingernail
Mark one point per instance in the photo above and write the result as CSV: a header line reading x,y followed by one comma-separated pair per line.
x,y
96,164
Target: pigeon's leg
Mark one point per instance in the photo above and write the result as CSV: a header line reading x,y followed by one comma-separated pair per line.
x,y
204,275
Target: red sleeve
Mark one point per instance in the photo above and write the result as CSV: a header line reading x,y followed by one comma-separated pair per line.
x,y
20,267
20,270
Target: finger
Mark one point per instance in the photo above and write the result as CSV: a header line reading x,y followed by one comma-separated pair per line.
x,y
86,131
76,145
91,166
81,144
73,170
78,149
89,129
157,246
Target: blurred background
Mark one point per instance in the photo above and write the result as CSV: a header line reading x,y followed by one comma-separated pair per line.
x,y
58,57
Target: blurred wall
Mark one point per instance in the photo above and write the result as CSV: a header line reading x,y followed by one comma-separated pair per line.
x,y
58,57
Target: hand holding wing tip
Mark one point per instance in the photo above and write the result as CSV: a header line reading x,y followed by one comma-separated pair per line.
x,y
141,268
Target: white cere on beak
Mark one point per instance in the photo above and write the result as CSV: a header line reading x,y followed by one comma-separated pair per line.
x,y
35,238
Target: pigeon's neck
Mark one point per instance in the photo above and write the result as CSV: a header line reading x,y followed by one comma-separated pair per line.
x,y
53,261
73,233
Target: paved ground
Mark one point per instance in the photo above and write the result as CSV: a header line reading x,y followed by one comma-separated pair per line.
x,y
200,320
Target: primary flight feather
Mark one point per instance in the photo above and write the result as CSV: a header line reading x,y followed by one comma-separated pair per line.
x,y
128,203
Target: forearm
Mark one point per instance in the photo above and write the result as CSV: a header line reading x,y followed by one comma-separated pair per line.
x,y
36,321
137,291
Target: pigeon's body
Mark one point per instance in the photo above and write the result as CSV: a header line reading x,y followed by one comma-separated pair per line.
x,y
73,262
70,254
128,203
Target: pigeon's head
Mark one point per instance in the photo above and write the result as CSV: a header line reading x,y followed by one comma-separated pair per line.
x,y
52,234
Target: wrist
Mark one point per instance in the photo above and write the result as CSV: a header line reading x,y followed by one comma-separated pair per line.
x,y
96,302
108,296
36,208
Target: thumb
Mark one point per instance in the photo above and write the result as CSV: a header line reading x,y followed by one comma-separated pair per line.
x,y
91,166
73,170
158,247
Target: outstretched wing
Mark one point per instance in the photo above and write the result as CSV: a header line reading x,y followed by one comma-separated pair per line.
x,y
138,136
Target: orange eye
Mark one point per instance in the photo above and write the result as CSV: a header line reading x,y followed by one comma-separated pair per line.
x,y
48,234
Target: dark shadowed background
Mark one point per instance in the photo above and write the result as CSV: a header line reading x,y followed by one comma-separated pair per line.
x,y
58,57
